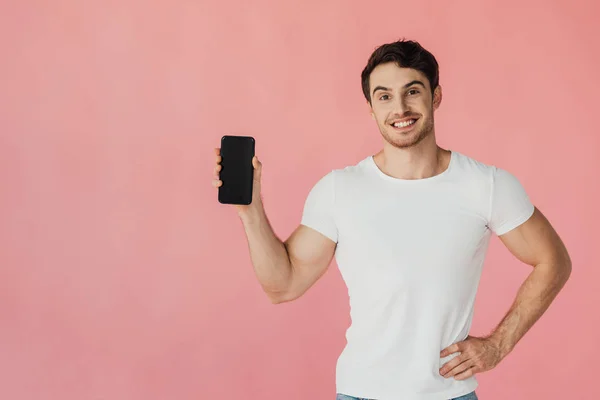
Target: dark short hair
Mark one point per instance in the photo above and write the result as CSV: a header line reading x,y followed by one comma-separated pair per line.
x,y
406,54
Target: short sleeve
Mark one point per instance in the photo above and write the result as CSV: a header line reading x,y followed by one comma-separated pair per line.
x,y
510,204
319,207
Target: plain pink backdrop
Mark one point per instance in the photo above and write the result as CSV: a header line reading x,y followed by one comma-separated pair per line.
x,y
122,277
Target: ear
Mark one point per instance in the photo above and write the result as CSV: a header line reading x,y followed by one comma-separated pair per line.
x,y
437,97
371,110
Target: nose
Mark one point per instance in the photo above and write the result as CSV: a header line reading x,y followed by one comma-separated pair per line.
x,y
400,105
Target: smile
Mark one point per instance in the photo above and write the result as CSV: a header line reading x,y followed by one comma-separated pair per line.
x,y
404,124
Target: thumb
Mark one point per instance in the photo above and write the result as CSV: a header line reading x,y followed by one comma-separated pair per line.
x,y
257,168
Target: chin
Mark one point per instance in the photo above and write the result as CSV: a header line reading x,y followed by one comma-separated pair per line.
x,y
405,142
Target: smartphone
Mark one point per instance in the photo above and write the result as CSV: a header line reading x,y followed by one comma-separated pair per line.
x,y
237,171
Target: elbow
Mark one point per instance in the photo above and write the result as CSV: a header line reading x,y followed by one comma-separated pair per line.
x,y
276,300
277,297
281,293
568,269
561,261
567,265
565,268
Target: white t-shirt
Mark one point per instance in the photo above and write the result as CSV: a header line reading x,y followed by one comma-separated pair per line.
x,y
411,253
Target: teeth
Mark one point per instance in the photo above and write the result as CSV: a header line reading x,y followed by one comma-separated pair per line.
x,y
404,124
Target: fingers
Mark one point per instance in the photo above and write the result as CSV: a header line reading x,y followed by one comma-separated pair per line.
x,y
466,374
450,349
218,159
216,179
450,365
257,169
459,369
216,182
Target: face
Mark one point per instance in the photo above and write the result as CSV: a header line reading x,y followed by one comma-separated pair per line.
x,y
402,104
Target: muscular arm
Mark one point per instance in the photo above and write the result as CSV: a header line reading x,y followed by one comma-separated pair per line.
x,y
286,270
535,243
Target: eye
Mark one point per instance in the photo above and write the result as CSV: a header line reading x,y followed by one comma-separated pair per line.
x,y
382,97
413,91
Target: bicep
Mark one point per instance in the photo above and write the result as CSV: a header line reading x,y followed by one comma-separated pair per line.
x,y
310,254
535,241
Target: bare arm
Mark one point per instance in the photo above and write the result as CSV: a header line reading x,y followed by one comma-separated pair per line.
x,y
535,243
286,270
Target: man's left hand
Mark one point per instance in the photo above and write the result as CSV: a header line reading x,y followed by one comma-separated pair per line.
x,y
476,355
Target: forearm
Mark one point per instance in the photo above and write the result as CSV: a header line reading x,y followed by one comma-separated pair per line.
x,y
533,298
268,254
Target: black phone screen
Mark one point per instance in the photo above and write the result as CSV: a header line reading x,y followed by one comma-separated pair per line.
x,y
237,171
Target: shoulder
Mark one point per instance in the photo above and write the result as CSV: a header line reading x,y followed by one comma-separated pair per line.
x,y
472,167
474,172
352,172
477,168
341,177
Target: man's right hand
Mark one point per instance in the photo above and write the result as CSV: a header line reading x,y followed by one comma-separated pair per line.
x,y
244,211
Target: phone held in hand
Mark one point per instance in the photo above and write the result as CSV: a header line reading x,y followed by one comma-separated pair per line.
x,y
237,171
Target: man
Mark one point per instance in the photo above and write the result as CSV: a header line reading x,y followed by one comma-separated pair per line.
x,y
409,227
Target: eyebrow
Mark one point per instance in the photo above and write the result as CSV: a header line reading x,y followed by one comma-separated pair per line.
x,y
415,82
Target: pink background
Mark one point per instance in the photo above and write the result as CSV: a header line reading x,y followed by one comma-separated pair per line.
x,y
122,277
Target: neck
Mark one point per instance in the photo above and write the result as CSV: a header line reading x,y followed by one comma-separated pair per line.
x,y
416,162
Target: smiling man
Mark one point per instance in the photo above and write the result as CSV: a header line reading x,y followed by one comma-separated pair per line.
x,y
409,228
